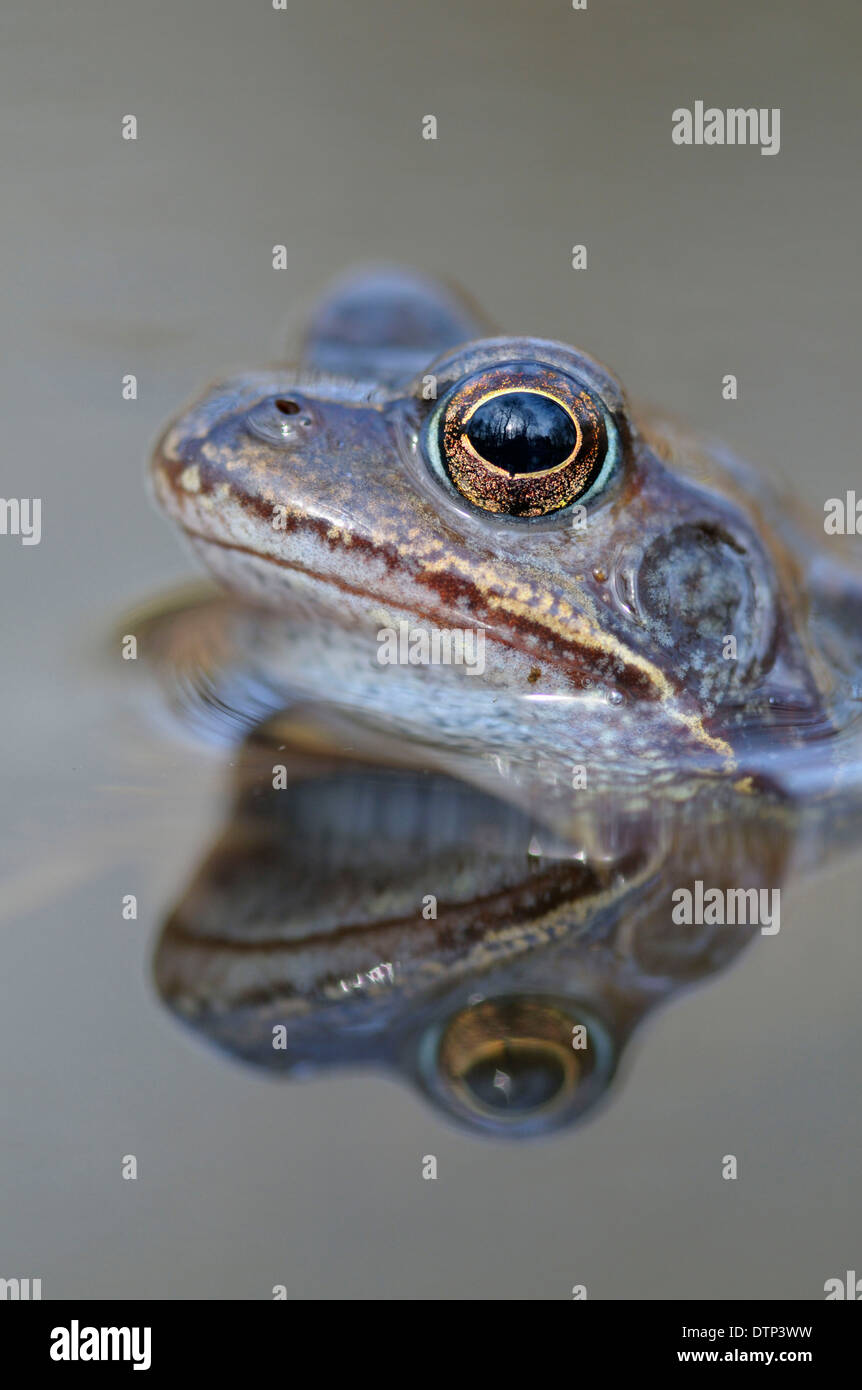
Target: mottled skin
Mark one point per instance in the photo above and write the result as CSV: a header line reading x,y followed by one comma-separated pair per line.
x,y
604,640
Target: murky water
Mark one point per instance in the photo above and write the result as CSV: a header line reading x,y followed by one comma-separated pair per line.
x,y
259,128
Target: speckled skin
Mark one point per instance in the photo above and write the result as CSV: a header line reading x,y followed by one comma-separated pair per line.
x,y
603,643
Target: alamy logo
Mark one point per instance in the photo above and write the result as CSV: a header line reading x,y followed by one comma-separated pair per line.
x,y
19,1290
713,907
436,646
849,1287
76,1343
843,515
21,516
737,125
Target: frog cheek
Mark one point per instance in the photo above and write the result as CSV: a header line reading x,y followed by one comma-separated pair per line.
x,y
517,1065
706,596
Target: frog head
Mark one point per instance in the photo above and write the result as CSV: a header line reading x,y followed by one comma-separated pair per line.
x,y
637,594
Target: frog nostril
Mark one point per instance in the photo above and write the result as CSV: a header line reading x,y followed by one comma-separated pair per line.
x,y
283,420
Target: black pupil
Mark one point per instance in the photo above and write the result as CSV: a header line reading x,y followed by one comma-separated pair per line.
x,y
519,1080
522,432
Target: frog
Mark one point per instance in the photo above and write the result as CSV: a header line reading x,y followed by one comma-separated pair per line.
x,y
449,867
650,612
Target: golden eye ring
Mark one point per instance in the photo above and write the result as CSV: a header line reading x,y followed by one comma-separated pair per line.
x,y
522,439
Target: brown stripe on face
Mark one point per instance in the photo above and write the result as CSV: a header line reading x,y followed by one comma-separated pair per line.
x,y
579,660
394,542
192,958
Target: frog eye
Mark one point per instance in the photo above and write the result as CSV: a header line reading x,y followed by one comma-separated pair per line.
x,y
509,1064
522,439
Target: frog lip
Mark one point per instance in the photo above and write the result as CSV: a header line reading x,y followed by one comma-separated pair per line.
x,y
580,665
354,581
338,559
593,714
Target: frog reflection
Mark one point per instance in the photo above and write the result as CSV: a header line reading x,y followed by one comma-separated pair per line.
x,y
376,914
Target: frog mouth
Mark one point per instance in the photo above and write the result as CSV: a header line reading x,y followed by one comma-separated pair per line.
x,y
565,674
225,668
287,582
316,566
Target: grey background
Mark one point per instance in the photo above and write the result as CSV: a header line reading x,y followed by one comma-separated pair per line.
x,y
258,127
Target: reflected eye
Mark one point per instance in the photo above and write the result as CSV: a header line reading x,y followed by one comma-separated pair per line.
x,y
508,1064
522,439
